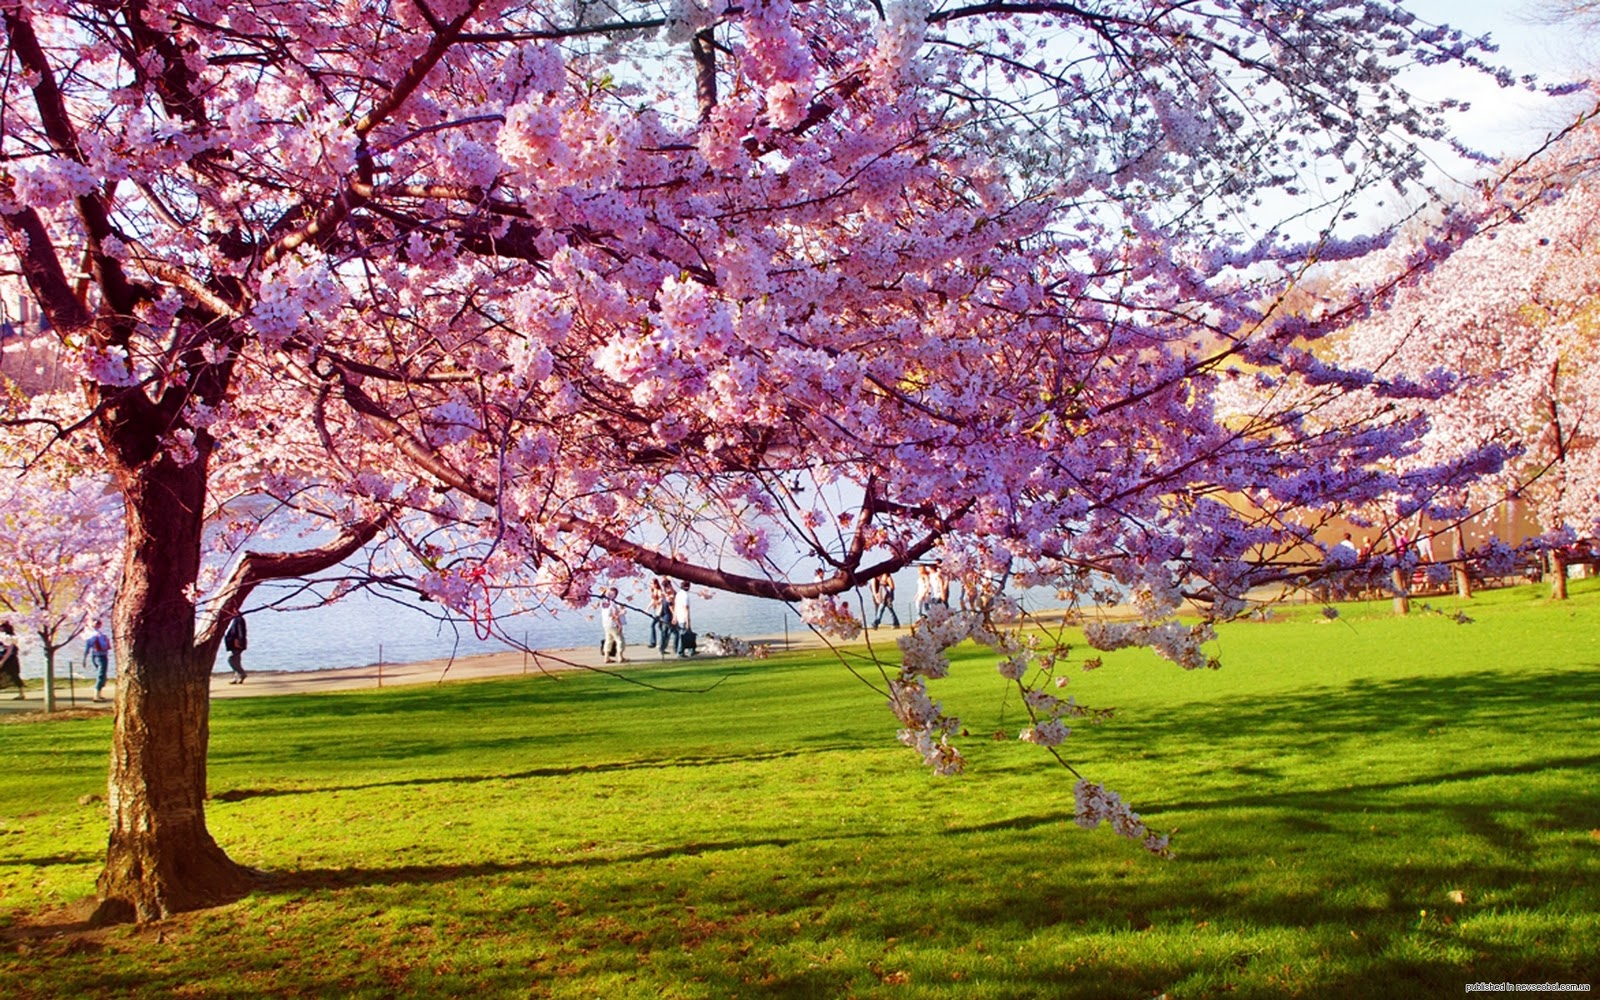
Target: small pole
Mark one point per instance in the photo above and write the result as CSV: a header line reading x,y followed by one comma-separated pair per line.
x,y
72,687
786,628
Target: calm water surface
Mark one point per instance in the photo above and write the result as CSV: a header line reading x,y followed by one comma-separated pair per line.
x,y
364,629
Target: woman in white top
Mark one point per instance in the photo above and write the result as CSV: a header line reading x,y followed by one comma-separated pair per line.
x,y
680,618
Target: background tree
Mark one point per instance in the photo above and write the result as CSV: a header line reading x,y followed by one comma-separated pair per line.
x,y
544,295
1512,313
60,535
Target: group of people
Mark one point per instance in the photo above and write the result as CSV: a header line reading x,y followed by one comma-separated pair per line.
x,y
96,653
933,588
671,627
670,624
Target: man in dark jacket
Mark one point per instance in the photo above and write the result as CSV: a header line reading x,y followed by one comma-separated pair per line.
x,y
236,640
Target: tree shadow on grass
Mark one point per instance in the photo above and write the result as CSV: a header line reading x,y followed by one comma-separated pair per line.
x,y
308,879
1365,716
1108,889
1258,752
55,859
271,882
508,692
1348,797
572,770
1365,705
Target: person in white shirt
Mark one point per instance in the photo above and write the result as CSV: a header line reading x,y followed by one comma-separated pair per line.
x,y
97,653
1346,549
938,584
680,619
612,617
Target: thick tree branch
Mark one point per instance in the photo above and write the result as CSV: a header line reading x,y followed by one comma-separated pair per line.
x,y
175,83
647,558
359,189
255,568
753,586
404,87
42,270
704,50
119,296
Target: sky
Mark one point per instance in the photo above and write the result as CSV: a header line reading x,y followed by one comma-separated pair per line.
x,y
1507,120
1502,121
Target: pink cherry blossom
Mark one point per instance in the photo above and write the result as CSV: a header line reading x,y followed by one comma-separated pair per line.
x,y
519,305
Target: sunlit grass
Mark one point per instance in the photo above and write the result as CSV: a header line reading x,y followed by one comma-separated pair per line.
x,y
1368,807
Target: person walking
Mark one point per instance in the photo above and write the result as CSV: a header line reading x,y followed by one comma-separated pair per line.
x,y
682,627
97,652
236,640
924,590
938,585
664,618
612,618
883,600
653,608
11,660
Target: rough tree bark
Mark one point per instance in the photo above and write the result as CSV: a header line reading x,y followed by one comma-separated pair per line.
x,y
1558,575
160,858
1402,592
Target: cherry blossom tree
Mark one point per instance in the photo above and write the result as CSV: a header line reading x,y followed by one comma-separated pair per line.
x,y
1512,313
542,296
60,532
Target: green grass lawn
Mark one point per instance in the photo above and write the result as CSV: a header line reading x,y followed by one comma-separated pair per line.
x,y
1370,807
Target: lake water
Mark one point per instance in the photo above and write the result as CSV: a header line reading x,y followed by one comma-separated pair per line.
x,y
364,629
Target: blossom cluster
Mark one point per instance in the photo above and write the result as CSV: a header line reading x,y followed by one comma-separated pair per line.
x,y
831,617
1096,804
1180,643
925,727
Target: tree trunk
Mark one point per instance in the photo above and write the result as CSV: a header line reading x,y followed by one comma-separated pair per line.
x,y
1463,570
49,677
1402,592
1558,575
160,858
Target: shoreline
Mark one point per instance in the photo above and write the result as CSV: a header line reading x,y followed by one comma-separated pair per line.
x,y
438,670
76,698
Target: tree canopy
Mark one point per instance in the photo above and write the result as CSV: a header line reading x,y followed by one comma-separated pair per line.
x,y
550,294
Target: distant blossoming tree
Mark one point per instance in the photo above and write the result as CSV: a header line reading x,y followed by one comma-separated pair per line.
x,y
60,541
542,295
1513,314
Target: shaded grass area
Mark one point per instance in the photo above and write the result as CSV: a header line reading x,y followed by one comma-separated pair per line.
x,y
1365,807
